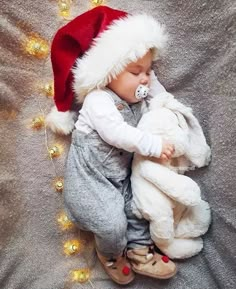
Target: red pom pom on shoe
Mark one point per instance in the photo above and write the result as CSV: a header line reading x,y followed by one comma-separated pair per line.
x,y
165,259
126,270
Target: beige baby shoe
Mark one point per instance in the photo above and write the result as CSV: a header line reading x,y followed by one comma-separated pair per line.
x,y
119,269
146,261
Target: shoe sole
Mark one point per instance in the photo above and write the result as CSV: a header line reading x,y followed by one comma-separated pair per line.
x,y
155,276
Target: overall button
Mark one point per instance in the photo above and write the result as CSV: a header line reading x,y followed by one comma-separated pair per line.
x,y
120,106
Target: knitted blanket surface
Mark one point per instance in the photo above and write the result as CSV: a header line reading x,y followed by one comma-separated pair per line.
x,y
198,68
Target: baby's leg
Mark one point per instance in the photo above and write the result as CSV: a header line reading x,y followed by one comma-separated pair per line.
x,y
138,233
108,223
144,259
96,205
110,235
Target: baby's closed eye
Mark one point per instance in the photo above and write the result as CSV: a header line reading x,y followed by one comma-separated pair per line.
x,y
135,72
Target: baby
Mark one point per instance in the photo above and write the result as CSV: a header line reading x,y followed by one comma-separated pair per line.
x,y
111,75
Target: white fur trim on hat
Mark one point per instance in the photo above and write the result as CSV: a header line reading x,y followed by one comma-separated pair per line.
x,y
126,40
61,122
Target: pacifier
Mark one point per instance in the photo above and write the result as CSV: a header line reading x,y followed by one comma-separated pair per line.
x,y
141,91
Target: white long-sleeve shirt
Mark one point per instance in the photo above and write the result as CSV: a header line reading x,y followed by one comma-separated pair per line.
x,y
100,113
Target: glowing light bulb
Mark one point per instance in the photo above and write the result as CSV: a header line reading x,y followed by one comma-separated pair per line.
x,y
97,2
64,222
59,185
36,46
37,122
64,8
55,151
48,89
72,247
80,275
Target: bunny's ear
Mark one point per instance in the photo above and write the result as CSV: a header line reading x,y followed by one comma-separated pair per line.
x,y
155,86
160,100
158,96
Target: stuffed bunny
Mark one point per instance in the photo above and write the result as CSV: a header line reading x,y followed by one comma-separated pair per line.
x,y
169,200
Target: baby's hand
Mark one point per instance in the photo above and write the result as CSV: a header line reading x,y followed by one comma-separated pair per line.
x,y
167,151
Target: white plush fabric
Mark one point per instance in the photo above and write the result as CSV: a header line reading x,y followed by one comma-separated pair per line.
x,y
169,200
61,122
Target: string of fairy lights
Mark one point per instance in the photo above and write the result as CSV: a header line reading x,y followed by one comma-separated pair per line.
x,y
38,47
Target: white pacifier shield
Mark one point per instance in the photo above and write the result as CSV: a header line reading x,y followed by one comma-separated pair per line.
x,y
141,91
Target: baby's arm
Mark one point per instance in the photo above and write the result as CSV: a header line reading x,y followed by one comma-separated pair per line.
x,y
110,125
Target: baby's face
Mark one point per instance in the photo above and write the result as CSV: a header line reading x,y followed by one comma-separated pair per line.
x,y
135,73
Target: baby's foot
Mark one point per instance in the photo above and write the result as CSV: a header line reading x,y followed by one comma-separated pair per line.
x,y
146,261
119,269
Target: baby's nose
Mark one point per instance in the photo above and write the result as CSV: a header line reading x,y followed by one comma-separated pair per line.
x,y
144,79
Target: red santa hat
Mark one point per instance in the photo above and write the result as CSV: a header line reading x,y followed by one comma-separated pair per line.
x,y
91,50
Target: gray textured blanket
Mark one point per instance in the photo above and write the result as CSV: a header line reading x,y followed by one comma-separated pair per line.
x,y
198,68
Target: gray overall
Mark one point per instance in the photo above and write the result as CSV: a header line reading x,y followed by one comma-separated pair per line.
x,y
97,190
